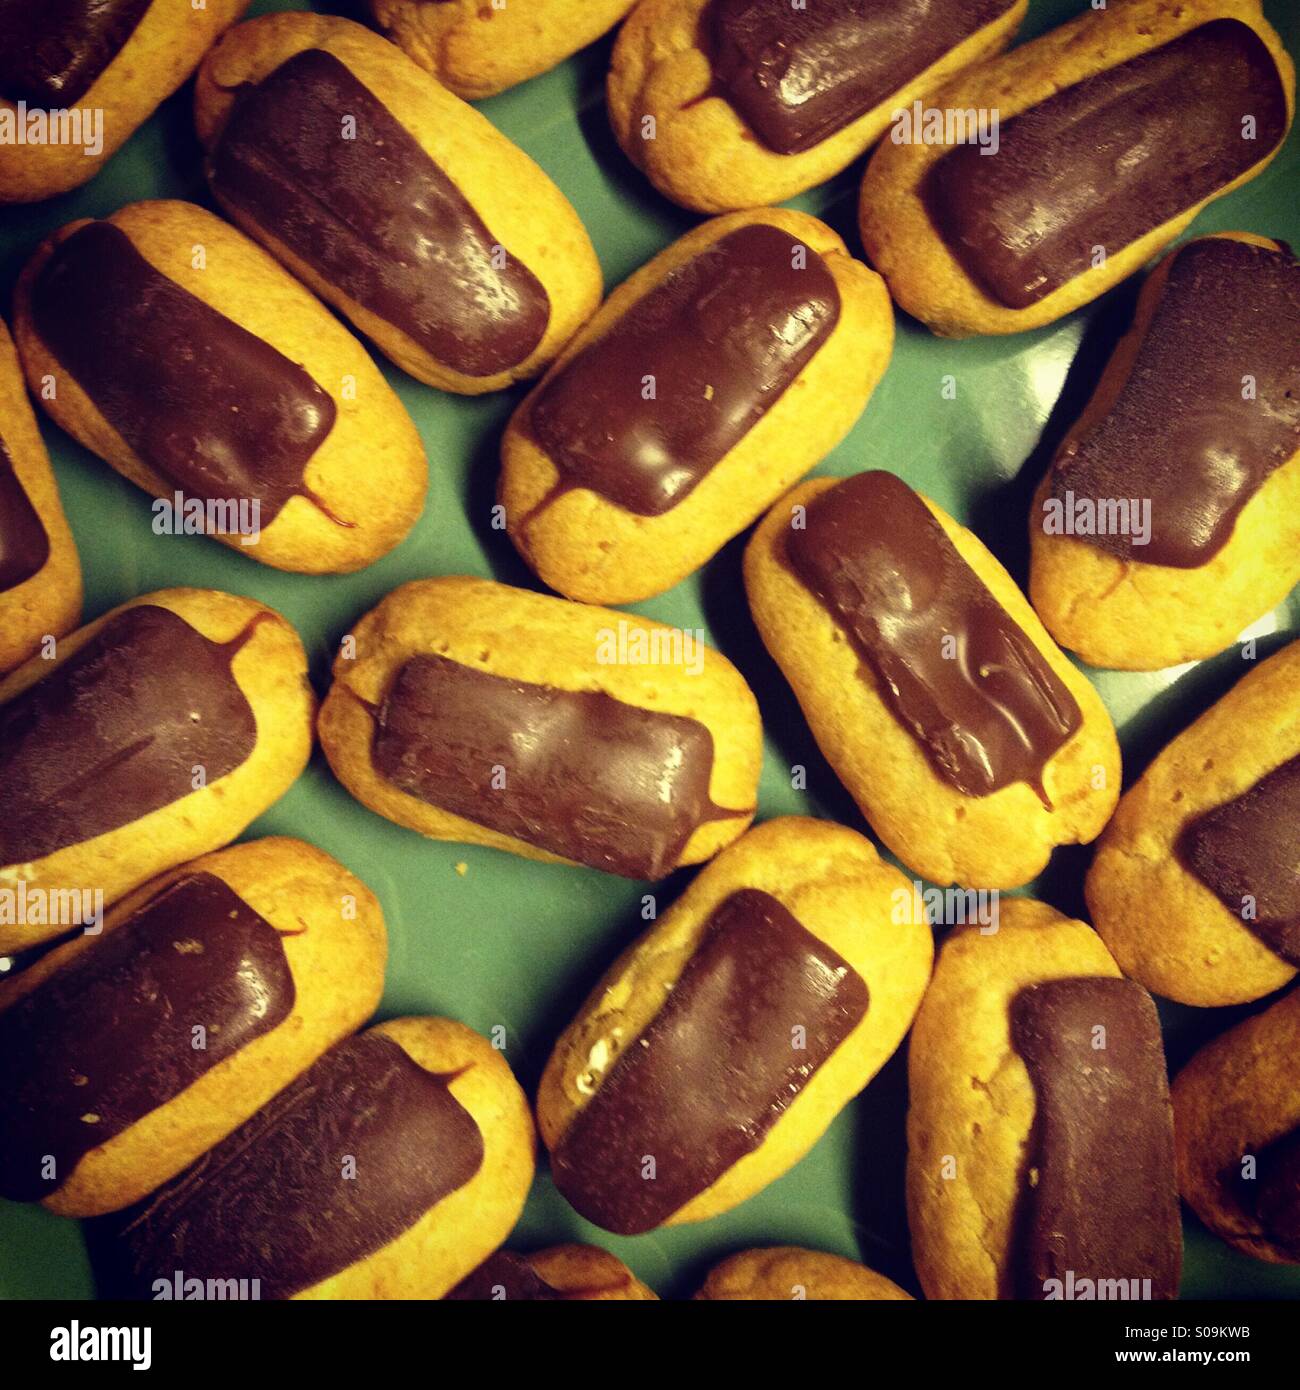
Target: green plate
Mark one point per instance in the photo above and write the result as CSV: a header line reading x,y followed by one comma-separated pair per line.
x,y
518,944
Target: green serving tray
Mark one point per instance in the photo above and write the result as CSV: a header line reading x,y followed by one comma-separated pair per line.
x,y
513,943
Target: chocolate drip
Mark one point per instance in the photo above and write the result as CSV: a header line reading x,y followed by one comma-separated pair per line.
x,y
344,1160
111,1035
574,772
1108,159
645,412
1184,434
1247,853
24,546
374,216
761,1004
117,731
202,402
948,660
52,51
1099,1200
798,76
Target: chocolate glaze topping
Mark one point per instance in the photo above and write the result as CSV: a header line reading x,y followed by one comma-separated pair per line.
x,y
1247,853
577,773
201,401
110,1036
1108,159
714,345
336,1166
375,216
51,51
1184,432
950,663
117,731
1100,1200
797,77
713,1070
24,546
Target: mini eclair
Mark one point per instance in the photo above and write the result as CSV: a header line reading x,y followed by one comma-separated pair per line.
x,y
153,735
1237,1123
131,1051
288,433
1112,133
394,201
389,1169
95,69
1170,518
730,104
1195,886
710,381
1040,1143
471,711
970,741
716,1050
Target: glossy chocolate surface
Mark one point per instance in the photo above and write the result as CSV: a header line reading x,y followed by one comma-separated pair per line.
x,y
798,76
713,1070
577,773
344,1160
374,216
1107,159
1187,434
52,51
644,413
117,731
948,660
1247,853
111,1035
207,405
24,546
1099,1199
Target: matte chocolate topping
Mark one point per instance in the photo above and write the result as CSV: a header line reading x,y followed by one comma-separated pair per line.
x,y
1247,853
1100,1199
375,216
1182,433
340,1163
950,663
577,773
51,51
117,731
111,1035
714,346
1274,1195
1107,160
201,401
507,1277
797,76
24,546
714,1069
